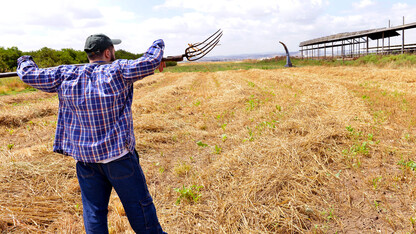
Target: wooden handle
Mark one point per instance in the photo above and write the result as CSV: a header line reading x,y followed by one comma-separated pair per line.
x,y
176,58
8,74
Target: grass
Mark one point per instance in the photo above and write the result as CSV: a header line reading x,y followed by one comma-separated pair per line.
x,y
313,149
10,86
393,61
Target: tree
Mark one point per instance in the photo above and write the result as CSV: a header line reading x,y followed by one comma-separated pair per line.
x,y
47,57
122,54
8,58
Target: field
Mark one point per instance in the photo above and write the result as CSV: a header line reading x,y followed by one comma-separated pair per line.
x,y
313,149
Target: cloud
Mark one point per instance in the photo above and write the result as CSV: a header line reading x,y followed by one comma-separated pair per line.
x,y
363,4
249,26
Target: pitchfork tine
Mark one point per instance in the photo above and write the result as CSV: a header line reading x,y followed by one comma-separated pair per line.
x,y
197,44
206,51
209,43
193,53
201,52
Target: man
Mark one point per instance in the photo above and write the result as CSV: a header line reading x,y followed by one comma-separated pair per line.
x,y
95,127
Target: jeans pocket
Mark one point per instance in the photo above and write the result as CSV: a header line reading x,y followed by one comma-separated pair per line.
x,y
84,170
149,212
121,168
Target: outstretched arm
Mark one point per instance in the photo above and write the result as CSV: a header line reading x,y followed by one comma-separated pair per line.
x,y
47,80
146,65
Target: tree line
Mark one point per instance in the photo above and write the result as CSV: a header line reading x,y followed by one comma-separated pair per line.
x,y
47,57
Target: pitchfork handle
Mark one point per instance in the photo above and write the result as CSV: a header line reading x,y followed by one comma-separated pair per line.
x,y
8,74
176,58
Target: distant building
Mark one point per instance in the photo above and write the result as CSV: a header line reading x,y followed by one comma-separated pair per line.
x,y
355,44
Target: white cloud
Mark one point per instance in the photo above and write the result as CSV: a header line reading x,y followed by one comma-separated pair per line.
x,y
249,26
363,4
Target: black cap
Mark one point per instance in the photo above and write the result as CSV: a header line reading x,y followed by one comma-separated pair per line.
x,y
99,42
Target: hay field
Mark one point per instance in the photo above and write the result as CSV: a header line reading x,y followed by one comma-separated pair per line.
x,y
301,150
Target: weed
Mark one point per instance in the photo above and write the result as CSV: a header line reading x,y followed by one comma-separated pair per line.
x,y
407,137
353,132
329,215
409,164
380,117
251,84
278,108
218,149
161,170
376,182
191,194
252,103
352,158
223,126
182,169
266,124
10,146
377,205
413,222
251,135
200,143
361,146
11,131
360,149
197,103
338,174
224,137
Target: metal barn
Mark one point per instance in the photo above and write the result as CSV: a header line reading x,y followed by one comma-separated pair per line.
x,y
355,44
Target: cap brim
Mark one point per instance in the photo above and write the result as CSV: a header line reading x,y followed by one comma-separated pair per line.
x,y
116,41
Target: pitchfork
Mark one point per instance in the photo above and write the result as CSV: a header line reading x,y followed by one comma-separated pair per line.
x,y
192,53
198,50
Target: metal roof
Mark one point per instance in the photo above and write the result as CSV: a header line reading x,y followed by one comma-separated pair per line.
x,y
371,33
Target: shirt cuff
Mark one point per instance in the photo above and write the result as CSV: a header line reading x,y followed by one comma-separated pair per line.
x,y
24,58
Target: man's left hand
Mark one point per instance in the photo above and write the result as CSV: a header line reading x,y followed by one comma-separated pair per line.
x,y
161,66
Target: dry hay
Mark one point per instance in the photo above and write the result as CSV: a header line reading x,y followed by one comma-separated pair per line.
x,y
276,155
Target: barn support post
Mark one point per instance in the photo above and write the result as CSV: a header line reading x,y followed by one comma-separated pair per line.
x,y
403,38
388,48
382,48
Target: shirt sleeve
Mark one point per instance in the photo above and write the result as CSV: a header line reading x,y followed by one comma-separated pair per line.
x,y
134,70
47,80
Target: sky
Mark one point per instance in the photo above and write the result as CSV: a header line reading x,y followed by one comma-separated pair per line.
x,y
249,27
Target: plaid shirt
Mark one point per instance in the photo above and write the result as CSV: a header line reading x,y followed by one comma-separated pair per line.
x,y
94,120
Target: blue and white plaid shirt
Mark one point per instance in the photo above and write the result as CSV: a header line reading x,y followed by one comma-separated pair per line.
x,y
95,120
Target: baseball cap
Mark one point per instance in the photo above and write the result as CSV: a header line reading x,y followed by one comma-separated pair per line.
x,y
99,42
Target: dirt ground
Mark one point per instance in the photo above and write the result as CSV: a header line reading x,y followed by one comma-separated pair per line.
x,y
300,150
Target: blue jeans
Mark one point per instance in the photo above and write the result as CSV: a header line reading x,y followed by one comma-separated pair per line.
x,y
126,176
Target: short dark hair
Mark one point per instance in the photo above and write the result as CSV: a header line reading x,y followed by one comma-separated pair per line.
x,y
97,54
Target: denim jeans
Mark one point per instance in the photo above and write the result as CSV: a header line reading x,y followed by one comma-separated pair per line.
x,y
126,176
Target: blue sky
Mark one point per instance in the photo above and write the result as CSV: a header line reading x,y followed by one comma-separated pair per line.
x,y
249,26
